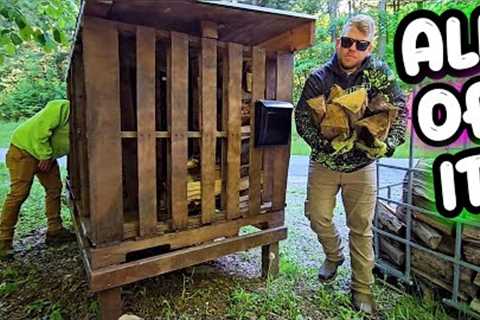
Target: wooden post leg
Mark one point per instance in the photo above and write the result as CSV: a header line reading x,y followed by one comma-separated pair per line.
x,y
110,303
270,260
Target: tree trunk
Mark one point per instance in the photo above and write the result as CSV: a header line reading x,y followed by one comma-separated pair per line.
x,y
332,12
382,27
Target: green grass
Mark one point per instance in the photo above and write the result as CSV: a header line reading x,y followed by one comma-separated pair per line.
x,y
6,129
297,294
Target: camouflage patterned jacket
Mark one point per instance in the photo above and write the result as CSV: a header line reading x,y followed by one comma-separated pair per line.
x,y
376,77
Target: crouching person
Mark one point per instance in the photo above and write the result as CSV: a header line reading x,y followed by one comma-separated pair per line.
x,y
34,148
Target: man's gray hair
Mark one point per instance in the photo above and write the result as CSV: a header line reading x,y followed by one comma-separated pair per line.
x,y
363,23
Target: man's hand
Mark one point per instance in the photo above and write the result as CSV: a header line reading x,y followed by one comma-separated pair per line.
x,y
378,151
45,165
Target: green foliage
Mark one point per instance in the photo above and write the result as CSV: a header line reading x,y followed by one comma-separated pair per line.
x,y
6,129
29,82
46,22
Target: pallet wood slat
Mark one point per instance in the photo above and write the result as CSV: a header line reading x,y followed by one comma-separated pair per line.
x,y
232,77
177,109
282,153
115,276
147,173
256,154
269,153
187,237
208,84
103,119
80,131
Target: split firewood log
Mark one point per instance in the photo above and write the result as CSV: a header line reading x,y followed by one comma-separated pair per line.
x,y
335,122
318,107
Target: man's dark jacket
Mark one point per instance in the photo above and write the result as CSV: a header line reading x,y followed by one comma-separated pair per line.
x,y
376,77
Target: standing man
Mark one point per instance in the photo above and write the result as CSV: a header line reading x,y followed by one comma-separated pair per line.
x,y
353,172
35,146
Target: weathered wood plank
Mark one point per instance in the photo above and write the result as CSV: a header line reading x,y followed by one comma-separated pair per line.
x,y
147,171
232,95
282,153
184,238
270,260
209,29
115,276
110,303
256,154
177,114
208,103
79,131
103,120
299,38
269,153
73,157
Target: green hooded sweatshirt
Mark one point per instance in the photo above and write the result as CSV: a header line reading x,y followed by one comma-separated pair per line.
x,y
46,134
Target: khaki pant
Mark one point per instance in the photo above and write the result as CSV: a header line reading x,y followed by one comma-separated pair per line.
x,y
23,167
359,197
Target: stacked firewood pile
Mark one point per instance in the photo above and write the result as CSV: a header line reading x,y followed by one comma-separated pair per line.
x,y
349,119
434,232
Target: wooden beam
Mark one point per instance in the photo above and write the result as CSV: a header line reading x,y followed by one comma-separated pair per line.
x,y
103,120
208,106
146,141
209,29
270,260
301,37
177,114
232,95
282,153
185,238
256,154
116,276
269,153
78,133
110,303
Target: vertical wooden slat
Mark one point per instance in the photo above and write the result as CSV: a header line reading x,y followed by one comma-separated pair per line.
x,y
147,172
208,85
177,110
268,154
256,155
72,158
232,95
282,153
78,132
101,59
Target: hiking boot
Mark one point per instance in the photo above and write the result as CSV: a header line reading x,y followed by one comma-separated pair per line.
x,y
328,270
6,249
60,236
365,303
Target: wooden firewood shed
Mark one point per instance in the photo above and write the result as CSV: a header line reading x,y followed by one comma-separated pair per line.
x,y
162,170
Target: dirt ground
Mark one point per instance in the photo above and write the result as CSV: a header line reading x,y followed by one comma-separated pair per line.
x,y
44,282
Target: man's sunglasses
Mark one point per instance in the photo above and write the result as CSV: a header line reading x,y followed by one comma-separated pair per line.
x,y
361,45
